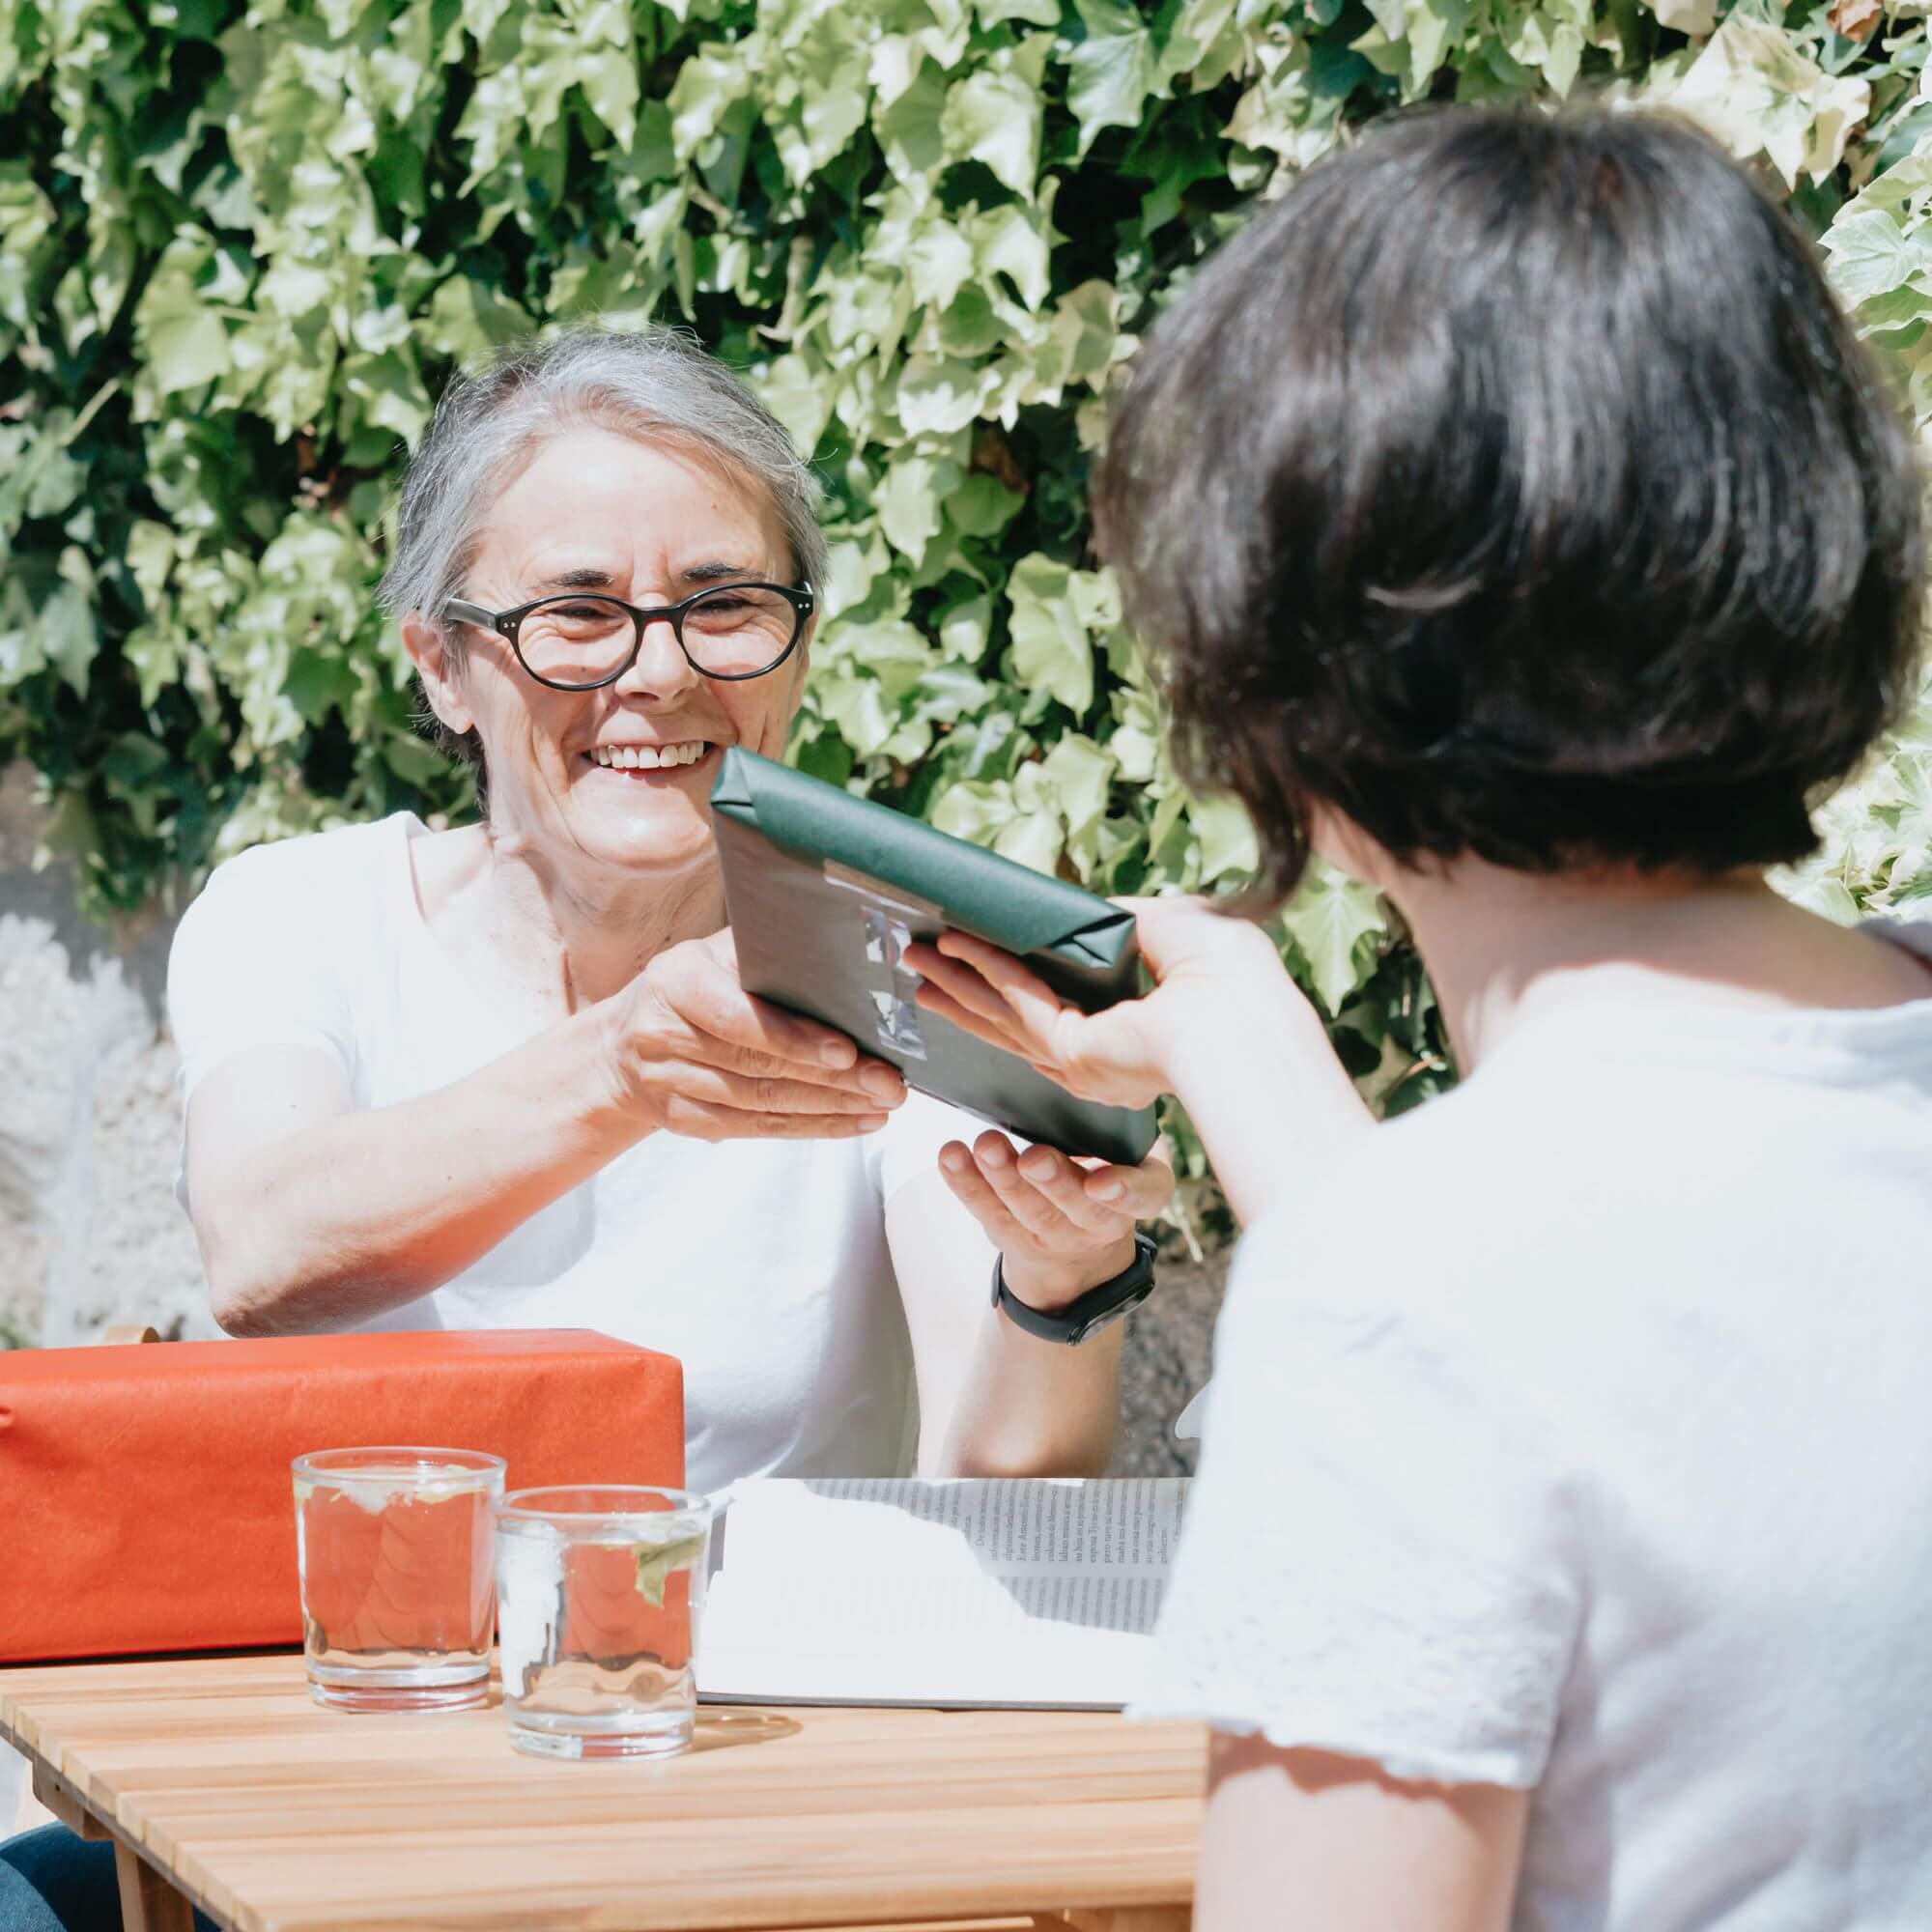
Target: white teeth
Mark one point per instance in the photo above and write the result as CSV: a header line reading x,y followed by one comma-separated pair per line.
x,y
647,758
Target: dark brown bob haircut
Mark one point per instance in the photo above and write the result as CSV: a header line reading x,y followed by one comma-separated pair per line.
x,y
1514,487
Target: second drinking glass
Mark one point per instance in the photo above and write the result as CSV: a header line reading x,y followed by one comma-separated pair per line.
x,y
598,1594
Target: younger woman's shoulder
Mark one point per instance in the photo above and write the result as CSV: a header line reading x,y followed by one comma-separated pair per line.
x,y
1444,1225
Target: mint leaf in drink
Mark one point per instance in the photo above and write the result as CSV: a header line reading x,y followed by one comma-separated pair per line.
x,y
657,1560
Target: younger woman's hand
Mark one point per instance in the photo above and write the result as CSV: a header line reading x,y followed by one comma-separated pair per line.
x,y
1205,963
1061,1226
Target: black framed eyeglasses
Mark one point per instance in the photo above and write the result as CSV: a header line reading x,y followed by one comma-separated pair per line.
x,y
581,641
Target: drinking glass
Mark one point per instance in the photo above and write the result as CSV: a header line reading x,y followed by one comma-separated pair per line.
x,y
599,1591
395,1549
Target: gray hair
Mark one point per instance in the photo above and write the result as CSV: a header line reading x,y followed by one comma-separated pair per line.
x,y
656,384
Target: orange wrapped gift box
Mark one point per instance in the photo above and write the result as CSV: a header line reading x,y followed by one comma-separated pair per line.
x,y
145,1497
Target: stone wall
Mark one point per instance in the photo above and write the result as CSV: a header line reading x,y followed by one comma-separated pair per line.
x,y
90,1233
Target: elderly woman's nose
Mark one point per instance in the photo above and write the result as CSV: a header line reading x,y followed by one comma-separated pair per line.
x,y
661,666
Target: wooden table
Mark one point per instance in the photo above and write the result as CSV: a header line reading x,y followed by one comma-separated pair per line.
x,y
222,1783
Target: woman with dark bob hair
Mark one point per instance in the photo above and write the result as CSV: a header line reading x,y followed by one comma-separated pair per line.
x,y
1517,524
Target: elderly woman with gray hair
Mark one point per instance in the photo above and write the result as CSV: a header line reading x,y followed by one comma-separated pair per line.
x,y
505,1076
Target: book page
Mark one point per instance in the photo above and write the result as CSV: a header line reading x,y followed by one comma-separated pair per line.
x,y
973,1592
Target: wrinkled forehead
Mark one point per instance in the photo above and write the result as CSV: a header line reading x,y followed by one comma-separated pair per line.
x,y
629,504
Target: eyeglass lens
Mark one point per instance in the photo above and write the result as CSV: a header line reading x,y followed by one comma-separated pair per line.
x,y
736,629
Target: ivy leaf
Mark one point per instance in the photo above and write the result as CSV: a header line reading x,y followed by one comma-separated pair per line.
x,y
799,394
1039,12
856,706
186,346
1334,921
391,393
1871,254
470,321
978,809
1695,18
996,116
909,501
1757,91
1051,651
1112,72
655,1561
1227,835
936,396
1080,775
963,630
38,477
609,83
708,83
1031,838
982,506
911,130
1016,241
939,260
948,691
57,632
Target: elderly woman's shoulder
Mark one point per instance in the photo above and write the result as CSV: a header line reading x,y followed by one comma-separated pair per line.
x,y
311,874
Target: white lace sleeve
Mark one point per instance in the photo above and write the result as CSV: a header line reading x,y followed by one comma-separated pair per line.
x,y
1376,1559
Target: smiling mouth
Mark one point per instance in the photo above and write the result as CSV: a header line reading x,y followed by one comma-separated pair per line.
x,y
647,758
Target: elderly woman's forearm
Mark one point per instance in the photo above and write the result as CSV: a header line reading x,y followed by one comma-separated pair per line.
x,y
1030,1407
353,1215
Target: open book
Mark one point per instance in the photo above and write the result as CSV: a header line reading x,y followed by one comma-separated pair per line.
x,y
1035,1593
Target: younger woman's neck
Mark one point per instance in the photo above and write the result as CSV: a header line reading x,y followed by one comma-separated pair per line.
x,y
1502,945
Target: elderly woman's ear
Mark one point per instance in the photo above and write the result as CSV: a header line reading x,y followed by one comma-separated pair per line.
x,y
441,670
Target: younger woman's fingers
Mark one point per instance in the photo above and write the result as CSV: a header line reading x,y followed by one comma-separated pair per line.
x,y
970,1186
1009,976
996,1158
1055,1177
1139,1193
1035,1004
933,998
963,986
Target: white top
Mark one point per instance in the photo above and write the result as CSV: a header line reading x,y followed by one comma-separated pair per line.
x,y
1575,1431
761,1265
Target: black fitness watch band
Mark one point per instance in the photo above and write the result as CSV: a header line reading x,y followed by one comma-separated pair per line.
x,y
1088,1314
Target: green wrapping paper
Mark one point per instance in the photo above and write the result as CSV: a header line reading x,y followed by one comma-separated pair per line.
x,y
824,892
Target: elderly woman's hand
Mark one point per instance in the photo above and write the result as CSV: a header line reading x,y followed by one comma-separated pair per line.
x,y
695,1054
1061,1226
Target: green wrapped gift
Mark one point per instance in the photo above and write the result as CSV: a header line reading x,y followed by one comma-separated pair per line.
x,y
825,892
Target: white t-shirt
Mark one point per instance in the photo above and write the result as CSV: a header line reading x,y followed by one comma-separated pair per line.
x,y
1575,1431
761,1265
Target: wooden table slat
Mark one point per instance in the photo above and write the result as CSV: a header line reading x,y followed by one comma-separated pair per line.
x,y
277,1816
